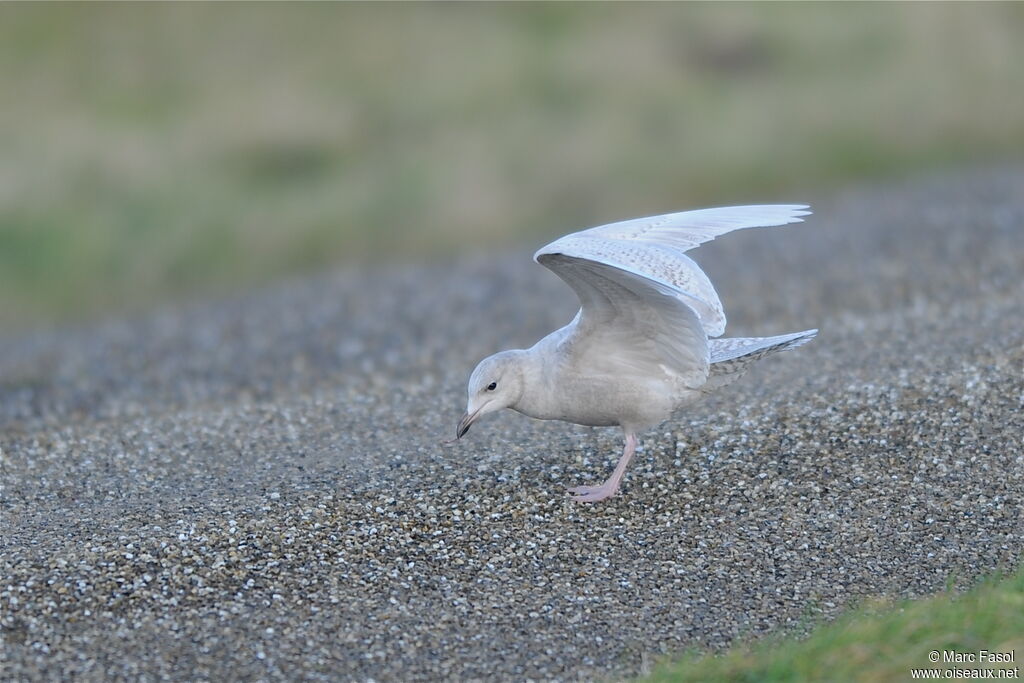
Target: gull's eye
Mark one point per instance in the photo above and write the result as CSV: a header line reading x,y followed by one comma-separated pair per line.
x,y
492,386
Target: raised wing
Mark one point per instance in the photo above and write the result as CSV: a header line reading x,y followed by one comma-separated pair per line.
x,y
654,247
630,323
687,229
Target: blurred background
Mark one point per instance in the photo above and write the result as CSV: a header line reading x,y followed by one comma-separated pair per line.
x,y
158,152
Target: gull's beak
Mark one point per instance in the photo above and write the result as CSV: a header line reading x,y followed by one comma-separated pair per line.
x,y
465,423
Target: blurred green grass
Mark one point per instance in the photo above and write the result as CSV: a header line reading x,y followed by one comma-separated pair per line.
x,y
154,151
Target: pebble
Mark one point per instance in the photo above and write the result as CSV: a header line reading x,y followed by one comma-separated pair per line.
x,y
254,488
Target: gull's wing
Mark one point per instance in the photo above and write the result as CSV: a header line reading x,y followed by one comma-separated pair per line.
x,y
628,323
653,248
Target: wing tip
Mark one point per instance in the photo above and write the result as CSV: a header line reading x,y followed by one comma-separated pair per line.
x,y
784,213
797,211
792,211
801,338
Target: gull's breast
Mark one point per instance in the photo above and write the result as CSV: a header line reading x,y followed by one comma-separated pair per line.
x,y
603,400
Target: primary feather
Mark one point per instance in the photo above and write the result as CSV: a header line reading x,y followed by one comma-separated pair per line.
x,y
731,357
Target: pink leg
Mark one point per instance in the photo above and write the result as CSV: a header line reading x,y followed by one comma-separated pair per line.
x,y
592,494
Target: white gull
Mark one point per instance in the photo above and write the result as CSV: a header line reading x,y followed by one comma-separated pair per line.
x,y
642,345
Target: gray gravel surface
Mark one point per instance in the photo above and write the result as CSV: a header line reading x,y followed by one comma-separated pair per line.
x,y
254,488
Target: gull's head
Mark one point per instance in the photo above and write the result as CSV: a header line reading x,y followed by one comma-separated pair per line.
x,y
496,383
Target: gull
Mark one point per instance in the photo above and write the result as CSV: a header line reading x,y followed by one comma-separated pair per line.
x,y
643,345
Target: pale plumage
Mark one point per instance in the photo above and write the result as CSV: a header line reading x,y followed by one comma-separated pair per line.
x,y
639,349
654,247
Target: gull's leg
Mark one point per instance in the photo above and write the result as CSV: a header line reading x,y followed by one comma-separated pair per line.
x,y
592,494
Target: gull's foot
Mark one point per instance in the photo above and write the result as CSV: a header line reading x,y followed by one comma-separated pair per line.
x,y
593,494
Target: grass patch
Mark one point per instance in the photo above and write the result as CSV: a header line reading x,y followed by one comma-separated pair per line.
x,y
161,150
883,641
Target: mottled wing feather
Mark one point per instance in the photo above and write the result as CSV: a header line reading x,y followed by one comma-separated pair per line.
x,y
630,323
653,247
664,265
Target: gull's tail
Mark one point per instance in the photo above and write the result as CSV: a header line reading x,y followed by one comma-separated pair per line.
x,y
731,357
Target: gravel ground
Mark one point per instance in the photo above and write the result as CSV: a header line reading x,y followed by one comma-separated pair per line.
x,y
255,489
